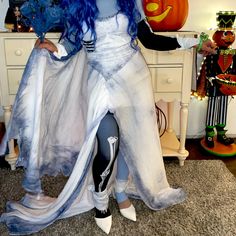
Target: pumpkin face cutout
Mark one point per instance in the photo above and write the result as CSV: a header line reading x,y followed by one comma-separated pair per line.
x,y
168,15
223,39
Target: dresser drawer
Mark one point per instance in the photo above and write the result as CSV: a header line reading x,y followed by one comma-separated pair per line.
x,y
166,79
153,57
17,51
170,57
14,77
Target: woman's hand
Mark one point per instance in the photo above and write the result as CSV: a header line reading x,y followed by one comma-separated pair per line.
x,y
208,47
47,44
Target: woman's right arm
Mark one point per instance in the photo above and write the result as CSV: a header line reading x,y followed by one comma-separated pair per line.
x,y
62,51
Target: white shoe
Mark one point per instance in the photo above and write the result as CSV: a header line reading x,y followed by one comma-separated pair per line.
x,y
129,213
104,223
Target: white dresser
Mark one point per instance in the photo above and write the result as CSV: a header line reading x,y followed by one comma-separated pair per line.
x,y
171,77
172,73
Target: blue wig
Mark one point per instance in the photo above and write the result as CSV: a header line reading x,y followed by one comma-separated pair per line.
x,y
79,11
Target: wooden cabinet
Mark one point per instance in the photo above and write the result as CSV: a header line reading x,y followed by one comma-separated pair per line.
x,y
171,77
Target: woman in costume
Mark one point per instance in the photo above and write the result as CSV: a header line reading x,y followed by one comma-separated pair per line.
x,y
86,109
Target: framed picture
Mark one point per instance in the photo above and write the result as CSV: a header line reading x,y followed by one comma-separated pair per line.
x,y
14,18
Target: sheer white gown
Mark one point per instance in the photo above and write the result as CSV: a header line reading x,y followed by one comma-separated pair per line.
x,y
55,118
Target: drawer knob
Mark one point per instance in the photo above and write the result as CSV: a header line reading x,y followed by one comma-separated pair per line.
x,y
18,52
169,81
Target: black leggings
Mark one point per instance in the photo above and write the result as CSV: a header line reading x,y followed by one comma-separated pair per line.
x,y
107,128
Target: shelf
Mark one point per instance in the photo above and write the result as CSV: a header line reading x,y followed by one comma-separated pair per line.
x,y
170,146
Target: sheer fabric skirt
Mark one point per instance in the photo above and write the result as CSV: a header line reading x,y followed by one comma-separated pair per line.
x,y
55,118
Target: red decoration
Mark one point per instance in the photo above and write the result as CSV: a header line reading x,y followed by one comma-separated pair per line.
x,y
225,61
228,83
223,38
166,15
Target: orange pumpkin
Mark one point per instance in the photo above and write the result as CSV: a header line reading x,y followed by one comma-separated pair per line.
x,y
166,15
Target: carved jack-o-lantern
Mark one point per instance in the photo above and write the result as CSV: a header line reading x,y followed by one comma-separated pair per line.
x,y
168,15
223,38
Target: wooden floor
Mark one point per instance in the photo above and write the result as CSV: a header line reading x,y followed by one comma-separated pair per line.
x,y
196,152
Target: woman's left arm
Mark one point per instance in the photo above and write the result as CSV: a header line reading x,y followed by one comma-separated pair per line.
x,y
154,41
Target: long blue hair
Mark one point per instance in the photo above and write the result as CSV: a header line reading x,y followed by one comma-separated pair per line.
x,y
79,11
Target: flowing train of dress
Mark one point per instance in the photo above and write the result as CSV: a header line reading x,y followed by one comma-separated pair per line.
x,y
56,114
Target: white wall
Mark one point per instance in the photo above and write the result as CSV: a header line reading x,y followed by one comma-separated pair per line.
x,y
202,13
3,9
202,16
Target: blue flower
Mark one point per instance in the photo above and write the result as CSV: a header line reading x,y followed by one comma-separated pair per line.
x,y
42,15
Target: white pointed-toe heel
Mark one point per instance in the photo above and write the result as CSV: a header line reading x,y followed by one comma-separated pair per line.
x,y
104,223
129,213
101,207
